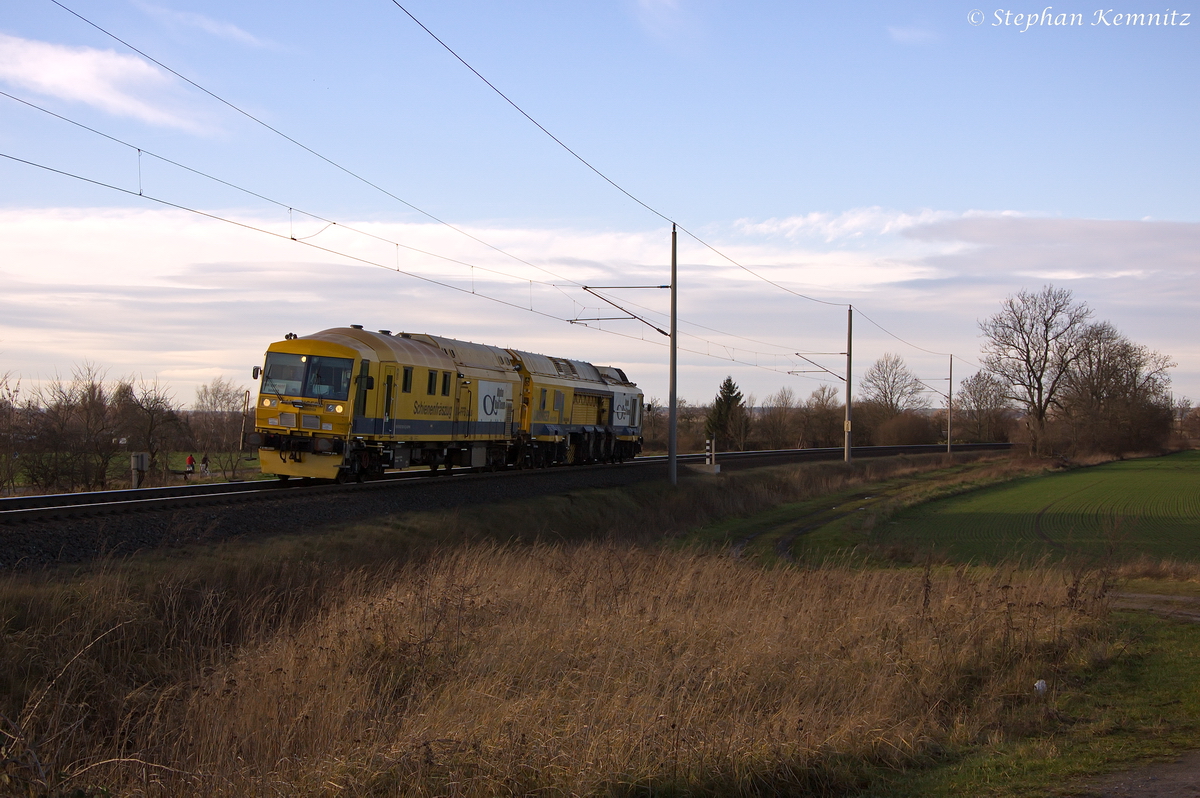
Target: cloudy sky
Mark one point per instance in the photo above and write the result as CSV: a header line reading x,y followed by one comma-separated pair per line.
x,y
918,160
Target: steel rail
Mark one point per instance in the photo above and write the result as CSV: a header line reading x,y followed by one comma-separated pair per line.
x,y
37,508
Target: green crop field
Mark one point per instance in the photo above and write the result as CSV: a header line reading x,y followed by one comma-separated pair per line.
x,y
1133,507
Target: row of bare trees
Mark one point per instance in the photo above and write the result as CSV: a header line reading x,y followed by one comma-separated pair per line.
x,y
75,434
1079,385
781,421
1052,377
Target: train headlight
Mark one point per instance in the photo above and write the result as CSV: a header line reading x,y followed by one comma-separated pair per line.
x,y
269,402
338,409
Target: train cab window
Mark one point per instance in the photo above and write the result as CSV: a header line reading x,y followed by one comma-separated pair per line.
x,y
558,401
406,383
542,406
431,387
328,378
445,383
284,373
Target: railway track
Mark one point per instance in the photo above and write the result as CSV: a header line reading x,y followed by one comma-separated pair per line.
x,y
114,502
41,531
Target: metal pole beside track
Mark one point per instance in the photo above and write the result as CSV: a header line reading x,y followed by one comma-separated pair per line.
x,y
950,408
672,413
849,349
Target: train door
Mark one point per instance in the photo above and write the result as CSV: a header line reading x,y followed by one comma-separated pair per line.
x,y
462,410
390,389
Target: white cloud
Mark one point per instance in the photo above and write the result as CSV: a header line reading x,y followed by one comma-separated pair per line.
x,y
115,83
222,30
681,25
855,223
168,293
911,35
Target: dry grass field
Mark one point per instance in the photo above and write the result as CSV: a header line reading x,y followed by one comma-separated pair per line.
x,y
570,653
582,669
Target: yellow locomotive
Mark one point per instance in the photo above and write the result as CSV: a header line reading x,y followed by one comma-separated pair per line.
x,y
347,403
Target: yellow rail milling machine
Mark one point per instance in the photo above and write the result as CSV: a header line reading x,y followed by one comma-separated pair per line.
x,y
346,403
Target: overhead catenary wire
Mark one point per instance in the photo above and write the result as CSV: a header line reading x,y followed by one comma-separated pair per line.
x,y
359,259
455,228
343,226
597,171
630,194
250,192
301,145
910,343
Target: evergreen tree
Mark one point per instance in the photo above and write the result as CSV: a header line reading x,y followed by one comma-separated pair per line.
x,y
727,415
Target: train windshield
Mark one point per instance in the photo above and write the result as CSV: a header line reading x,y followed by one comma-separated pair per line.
x,y
284,374
311,376
328,378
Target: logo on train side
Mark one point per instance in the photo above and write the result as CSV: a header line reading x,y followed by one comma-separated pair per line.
x,y
492,401
622,407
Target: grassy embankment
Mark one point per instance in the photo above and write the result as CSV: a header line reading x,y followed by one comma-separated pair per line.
x,y
1139,518
574,656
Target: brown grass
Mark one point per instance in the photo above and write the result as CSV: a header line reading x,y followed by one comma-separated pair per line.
x,y
591,669
1168,570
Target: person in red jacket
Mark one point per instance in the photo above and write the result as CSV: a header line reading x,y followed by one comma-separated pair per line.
x,y
191,466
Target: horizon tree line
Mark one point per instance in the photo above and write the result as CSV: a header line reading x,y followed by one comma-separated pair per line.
x,y
67,435
1052,378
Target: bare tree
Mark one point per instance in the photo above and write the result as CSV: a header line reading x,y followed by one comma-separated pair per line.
x,y
10,450
654,424
1191,423
216,421
778,419
889,384
1182,407
823,417
982,408
1116,396
69,432
97,425
1031,345
149,418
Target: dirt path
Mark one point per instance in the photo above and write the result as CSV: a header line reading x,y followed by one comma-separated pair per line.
x,y
794,528
1177,779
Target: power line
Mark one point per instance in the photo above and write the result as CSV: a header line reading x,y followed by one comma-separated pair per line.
x,y
631,196
437,219
299,144
329,222
367,261
594,169
263,197
910,343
